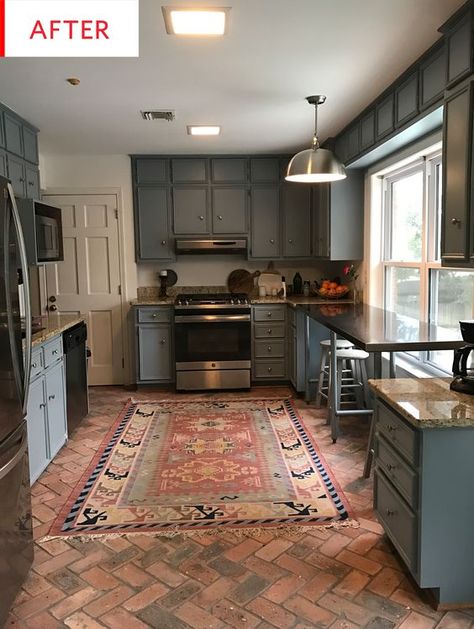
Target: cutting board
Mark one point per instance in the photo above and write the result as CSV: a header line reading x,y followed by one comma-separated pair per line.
x,y
242,281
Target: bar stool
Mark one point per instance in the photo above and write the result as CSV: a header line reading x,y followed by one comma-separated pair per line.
x,y
351,374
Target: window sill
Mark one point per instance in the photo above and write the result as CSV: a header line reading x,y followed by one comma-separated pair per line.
x,y
416,370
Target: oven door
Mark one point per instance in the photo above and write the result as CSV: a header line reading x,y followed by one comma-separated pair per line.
x,y
222,340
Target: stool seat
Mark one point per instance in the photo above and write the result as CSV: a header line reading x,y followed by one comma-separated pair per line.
x,y
351,354
340,343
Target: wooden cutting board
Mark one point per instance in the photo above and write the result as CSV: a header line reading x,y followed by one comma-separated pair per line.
x,y
241,281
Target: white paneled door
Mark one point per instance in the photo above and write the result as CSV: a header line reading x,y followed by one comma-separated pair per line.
x,y
88,281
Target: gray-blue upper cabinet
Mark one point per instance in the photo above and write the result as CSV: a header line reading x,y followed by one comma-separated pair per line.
x,y
367,130
264,170
229,210
13,134
30,145
190,210
151,171
32,182
433,78
3,164
342,147
229,170
384,117
265,222
458,33
16,174
192,170
296,212
353,141
406,100
152,224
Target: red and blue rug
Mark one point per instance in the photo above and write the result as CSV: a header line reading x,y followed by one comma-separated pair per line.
x,y
168,467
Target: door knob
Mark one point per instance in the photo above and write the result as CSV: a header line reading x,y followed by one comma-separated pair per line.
x,y
53,308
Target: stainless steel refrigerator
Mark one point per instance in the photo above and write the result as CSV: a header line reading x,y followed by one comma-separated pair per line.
x,y
16,540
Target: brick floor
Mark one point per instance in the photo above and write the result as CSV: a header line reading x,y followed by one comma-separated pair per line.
x,y
320,577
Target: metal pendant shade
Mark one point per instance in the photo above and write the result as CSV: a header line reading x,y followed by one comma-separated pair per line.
x,y
315,165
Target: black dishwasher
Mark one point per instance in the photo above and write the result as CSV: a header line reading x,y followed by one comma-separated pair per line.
x,y
75,352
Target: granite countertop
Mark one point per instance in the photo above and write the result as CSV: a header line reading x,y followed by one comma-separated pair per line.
x,y
427,402
153,301
54,325
292,300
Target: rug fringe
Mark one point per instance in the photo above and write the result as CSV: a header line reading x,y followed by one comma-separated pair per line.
x,y
277,531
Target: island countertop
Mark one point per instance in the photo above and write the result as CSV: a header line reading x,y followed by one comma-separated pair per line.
x,y
53,325
427,402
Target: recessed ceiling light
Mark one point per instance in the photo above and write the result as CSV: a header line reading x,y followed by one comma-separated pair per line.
x,y
203,129
195,21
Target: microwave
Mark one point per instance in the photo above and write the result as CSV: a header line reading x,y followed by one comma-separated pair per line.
x,y
42,230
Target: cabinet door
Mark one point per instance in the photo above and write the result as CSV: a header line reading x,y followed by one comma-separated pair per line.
x,y
3,164
193,170
367,130
321,220
13,134
30,145
229,170
406,100
346,215
154,353
190,210
229,210
265,170
32,182
384,117
151,171
459,44
296,204
16,174
152,224
265,222
457,147
353,141
292,359
38,452
56,408
433,78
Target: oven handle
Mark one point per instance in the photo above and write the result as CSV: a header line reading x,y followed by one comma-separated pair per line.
x,y
211,318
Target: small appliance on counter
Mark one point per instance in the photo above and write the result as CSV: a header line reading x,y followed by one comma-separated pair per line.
x,y
463,375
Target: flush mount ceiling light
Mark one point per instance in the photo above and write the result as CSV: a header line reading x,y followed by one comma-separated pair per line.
x,y
211,21
315,165
201,129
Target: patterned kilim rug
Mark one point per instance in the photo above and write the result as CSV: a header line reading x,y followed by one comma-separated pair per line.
x,y
168,467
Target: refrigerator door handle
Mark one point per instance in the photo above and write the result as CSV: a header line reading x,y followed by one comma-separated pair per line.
x,y
7,468
26,285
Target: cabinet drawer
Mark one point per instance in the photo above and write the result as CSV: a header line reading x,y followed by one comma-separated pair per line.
x,y
401,475
270,349
399,434
273,330
52,351
37,362
154,315
397,518
269,369
271,313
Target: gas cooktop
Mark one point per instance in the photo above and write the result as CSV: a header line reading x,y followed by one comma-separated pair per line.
x,y
201,299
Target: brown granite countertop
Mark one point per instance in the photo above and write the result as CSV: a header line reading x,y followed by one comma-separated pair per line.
x,y
54,325
153,301
292,300
427,402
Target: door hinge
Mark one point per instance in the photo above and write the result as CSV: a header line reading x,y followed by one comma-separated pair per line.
x,y
123,362
116,213
120,289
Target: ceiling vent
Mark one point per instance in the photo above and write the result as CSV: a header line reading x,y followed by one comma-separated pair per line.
x,y
159,114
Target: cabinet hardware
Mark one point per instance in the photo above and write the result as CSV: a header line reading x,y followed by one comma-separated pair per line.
x,y
272,241
163,341
391,467
390,512
269,314
52,397
154,315
54,352
163,242
201,218
21,180
269,348
219,216
290,240
42,405
456,221
34,365
391,428
269,331
270,370
53,308
31,183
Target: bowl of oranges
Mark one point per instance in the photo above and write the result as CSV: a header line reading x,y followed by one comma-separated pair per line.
x,y
331,289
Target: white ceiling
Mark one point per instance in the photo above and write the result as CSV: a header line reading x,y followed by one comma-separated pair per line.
x,y
252,82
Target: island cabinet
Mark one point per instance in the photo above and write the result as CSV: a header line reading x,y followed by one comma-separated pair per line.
x,y
154,344
269,342
46,414
457,218
423,490
338,218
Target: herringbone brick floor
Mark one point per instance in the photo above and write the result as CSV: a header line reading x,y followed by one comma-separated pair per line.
x,y
343,578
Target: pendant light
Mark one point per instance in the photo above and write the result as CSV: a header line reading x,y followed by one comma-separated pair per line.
x,y
315,165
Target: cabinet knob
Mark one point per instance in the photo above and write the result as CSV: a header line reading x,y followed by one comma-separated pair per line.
x,y
163,242
34,365
391,467
270,370
272,241
54,352
201,218
52,397
53,308
163,341
455,221
21,180
390,512
31,183
42,405
290,240
269,314
154,315
219,216
269,348
269,331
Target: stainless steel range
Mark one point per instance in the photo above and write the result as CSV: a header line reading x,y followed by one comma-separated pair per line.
x,y
212,341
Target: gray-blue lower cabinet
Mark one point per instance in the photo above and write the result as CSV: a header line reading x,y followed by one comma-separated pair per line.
x,y
46,414
423,496
154,355
269,342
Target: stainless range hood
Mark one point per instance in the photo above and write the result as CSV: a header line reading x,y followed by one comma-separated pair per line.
x,y
217,245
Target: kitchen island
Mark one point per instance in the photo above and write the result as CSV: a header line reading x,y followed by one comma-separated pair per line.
x,y
424,482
